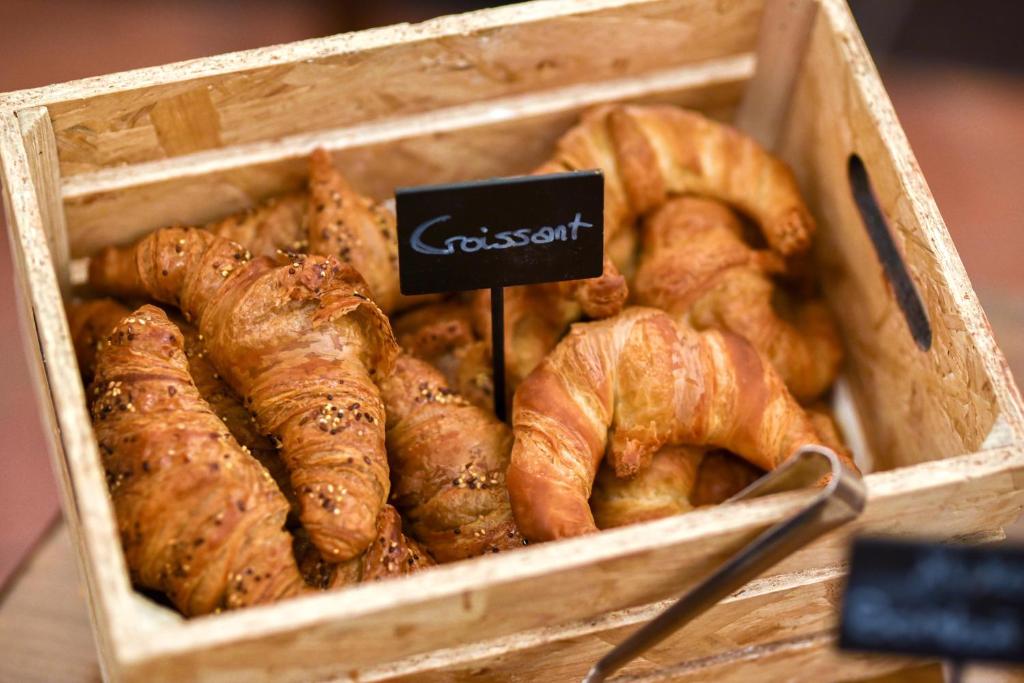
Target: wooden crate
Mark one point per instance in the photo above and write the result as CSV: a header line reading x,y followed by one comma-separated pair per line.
x,y
103,160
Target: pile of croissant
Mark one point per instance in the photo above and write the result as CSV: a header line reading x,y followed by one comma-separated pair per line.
x,y
275,418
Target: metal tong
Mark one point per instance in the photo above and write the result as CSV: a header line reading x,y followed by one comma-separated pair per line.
x,y
841,500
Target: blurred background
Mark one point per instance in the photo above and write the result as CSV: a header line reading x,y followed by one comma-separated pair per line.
x,y
955,72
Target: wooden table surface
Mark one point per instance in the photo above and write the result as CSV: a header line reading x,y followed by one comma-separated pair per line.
x,y
44,625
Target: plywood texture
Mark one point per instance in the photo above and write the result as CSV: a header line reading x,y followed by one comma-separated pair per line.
x,y
400,70
508,136
41,153
45,635
923,404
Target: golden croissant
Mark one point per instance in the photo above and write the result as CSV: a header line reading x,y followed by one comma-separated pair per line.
x,y
647,154
627,386
330,218
679,479
650,153
696,266
352,228
448,460
721,475
661,490
303,345
537,316
199,518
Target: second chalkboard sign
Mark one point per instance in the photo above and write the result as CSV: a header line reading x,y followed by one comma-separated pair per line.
x,y
500,232
957,602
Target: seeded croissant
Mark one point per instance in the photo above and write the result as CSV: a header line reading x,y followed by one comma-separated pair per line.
x,y
443,335
199,518
355,230
629,385
696,266
330,218
391,553
278,223
91,322
302,344
448,460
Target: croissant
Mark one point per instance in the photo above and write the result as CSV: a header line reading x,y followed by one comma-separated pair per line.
x,y
435,333
442,334
349,226
661,490
630,385
391,553
91,322
278,224
537,316
302,345
355,230
679,479
721,476
696,266
199,519
448,460
675,482
648,153
226,405
331,219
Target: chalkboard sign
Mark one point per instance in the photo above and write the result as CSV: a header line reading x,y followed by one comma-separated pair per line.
x,y
500,232
954,602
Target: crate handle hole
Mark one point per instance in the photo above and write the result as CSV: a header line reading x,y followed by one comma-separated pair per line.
x,y
888,254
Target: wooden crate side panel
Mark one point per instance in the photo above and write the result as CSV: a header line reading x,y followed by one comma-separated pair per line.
x,y
504,137
812,658
784,609
781,46
807,658
353,78
62,403
557,583
41,153
917,405
767,610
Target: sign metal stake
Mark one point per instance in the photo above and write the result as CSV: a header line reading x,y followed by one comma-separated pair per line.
x,y
498,350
